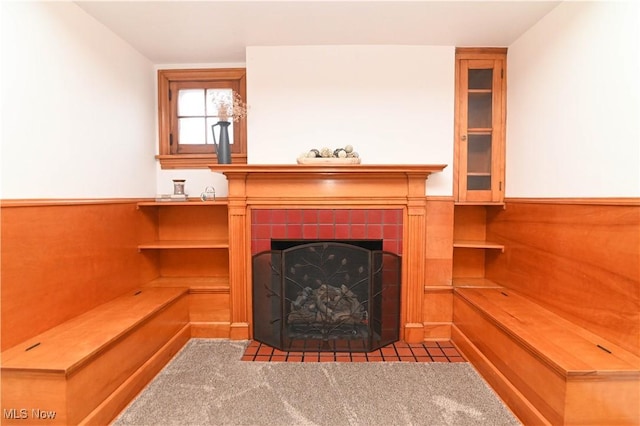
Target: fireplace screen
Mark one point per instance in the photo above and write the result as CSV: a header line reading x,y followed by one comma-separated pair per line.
x,y
326,296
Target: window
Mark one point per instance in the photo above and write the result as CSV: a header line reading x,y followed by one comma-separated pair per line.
x,y
186,114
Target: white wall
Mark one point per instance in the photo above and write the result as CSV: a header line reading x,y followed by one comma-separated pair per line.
x,y
78,115
79,106
573,104
394,104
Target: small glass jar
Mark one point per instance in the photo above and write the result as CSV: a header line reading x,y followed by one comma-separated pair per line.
x,y
209,194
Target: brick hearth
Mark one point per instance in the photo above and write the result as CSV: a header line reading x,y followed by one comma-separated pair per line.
x,y
443,351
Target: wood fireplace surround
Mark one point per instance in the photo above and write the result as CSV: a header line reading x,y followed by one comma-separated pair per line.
x,y
334,187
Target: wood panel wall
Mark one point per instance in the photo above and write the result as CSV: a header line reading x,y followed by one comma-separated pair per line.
x,y
60,259
437,306
439,241
580,259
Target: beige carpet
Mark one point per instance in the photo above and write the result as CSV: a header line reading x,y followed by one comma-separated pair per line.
x,y
207,384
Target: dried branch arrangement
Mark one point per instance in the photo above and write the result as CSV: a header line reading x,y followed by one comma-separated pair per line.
x,y
230,105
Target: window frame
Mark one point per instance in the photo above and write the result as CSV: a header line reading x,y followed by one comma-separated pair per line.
x,y
232,78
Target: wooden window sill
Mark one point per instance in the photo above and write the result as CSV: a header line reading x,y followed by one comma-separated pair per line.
x,y
195,161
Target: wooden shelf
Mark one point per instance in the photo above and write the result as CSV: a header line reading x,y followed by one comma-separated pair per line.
x,y
213,284
480,203
193,202
185,244
475,283
478,245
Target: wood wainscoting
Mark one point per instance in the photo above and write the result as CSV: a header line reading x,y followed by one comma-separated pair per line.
x,y
438,290
61,258
577,258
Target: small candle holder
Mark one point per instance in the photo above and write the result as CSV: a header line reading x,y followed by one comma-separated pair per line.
x,y
178,187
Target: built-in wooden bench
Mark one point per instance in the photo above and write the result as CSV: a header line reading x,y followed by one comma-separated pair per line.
x,y
546,368
86,370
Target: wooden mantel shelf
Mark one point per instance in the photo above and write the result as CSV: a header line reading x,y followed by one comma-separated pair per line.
x,y
326,168
346,186
331,184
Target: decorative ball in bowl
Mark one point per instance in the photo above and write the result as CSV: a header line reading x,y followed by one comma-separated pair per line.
x,y
344,155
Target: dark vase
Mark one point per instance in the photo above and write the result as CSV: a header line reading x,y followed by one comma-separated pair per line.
x,y
223,149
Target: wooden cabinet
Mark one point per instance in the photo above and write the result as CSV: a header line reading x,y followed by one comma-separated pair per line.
x,y
186,244
479,165
480,125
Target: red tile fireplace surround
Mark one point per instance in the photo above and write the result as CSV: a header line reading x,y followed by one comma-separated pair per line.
x,y
326,224
328,201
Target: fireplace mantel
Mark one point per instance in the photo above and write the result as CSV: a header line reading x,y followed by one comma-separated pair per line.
x,y
324,168
340,184
328,186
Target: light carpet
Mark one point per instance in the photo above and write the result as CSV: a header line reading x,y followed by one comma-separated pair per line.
x,y
207,384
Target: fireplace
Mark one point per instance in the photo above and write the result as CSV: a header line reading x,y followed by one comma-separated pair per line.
x,y
293,187
338,296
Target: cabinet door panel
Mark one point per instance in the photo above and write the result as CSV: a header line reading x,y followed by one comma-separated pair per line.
x,y
481,78
479,111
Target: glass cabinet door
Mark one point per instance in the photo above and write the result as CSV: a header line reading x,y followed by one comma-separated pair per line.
x,y
480,130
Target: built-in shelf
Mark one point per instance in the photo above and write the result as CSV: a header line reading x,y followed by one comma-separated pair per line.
x,y
475,282
480,203
213,284
478,245
185,244
193,202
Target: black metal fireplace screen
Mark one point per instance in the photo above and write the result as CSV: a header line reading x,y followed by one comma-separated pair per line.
x,y
326,296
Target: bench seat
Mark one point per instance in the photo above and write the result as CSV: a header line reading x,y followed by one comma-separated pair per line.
x,y
547,369
87,369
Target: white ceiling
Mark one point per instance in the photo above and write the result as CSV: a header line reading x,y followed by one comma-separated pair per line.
x,y
183,32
